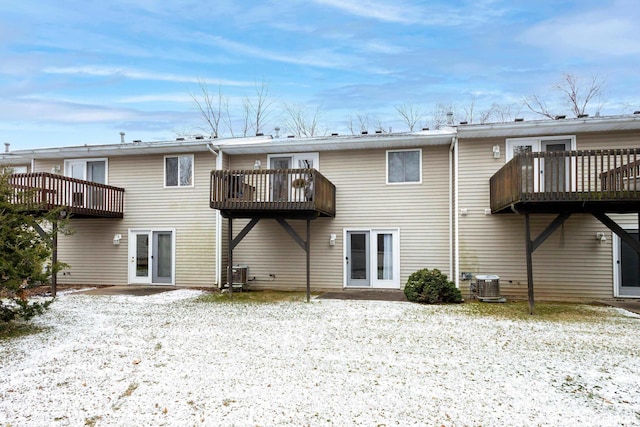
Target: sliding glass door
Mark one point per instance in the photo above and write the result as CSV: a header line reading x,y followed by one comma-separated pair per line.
x,y
372,258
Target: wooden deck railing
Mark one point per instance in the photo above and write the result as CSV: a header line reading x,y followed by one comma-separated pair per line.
x,y
568,176
46,191
281,190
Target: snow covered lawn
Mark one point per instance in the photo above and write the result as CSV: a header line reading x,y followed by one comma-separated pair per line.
x,y
167,359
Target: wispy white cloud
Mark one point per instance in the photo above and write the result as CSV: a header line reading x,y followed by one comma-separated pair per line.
x,y
100,71
324,58
609,31
408,13
156,97
381,11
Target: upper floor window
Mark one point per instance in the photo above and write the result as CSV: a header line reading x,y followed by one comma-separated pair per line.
x,y
94,170
404,166
178,171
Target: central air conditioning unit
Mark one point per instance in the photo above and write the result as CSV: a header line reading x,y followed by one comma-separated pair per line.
x,y
240,274
488,288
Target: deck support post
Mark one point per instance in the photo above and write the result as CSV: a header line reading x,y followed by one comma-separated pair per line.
x,y
54,258
532,245
230,257
306,246
308,250
529,250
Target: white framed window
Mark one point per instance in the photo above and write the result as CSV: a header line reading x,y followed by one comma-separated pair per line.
x,y
178,171
94,170
404,166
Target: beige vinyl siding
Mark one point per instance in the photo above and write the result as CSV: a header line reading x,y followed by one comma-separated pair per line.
x,y
495,244
363,201
90,252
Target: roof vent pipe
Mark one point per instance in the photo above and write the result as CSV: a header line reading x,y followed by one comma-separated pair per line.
x,y
121,137
450,118
277,129
6,147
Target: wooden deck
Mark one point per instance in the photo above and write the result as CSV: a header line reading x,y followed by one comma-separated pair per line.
x,y
590,181
42,191
272,193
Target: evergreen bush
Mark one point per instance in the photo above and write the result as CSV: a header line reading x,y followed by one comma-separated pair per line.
x,y
431,287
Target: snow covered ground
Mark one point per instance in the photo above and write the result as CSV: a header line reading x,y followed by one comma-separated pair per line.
x,y
168,360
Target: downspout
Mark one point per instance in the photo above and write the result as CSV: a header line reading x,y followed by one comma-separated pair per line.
x,y
454,207
212,148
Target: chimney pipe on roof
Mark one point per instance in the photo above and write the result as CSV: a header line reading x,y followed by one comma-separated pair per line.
x,y
450,118
6,147
121,137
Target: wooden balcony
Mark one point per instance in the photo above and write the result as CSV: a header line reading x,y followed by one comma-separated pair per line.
x,y
590,181
272,193
41,191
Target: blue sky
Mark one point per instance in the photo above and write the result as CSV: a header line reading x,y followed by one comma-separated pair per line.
x,y
79,72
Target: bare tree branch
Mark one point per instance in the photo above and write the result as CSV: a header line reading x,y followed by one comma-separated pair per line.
x,y
297,120
411,114
574,93
210,108
260,107
577,95
537,105
442,115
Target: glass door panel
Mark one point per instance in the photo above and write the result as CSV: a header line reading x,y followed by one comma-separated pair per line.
x,y
555,168
629,285
162,257
357,260
280,182
139,257
385,256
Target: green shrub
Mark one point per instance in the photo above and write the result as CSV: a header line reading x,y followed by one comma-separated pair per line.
x,y
431,287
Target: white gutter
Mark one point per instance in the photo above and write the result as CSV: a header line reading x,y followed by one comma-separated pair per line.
x,y
212,148
456,224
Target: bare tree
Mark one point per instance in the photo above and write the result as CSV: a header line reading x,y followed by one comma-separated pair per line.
x,y
504,113
359,123
378,127
443,115
260,108
300,120
537,105
579,96
210,107
411,114
246,116
575,94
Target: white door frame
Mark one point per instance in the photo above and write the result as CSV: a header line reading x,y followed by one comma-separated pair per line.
x,y
132,256
538,144
374,282
617,266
